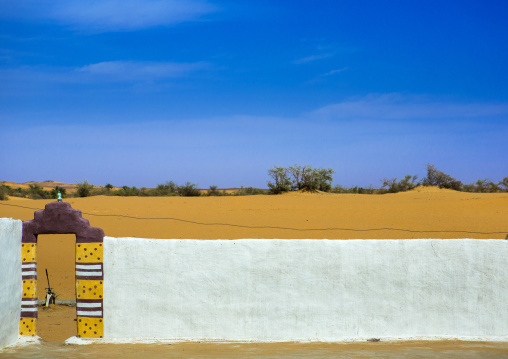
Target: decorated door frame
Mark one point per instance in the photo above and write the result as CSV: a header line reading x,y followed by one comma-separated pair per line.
x,y
61,218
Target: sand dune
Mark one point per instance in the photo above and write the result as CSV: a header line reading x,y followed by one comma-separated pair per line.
x,y
46,185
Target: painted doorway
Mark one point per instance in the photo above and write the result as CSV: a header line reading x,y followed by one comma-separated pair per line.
x,y
61,218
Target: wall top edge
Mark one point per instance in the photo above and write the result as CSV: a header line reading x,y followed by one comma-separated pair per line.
x,y
309,239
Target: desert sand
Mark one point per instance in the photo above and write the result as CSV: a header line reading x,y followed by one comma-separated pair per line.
x,y
426,212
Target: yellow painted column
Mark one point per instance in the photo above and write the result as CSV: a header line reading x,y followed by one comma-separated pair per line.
x,y
89,289
28,318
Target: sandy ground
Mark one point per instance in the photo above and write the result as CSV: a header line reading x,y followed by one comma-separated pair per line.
x,y
56,323
423,213
392,350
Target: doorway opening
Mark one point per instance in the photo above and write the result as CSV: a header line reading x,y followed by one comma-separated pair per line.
x,y
56,255
61,218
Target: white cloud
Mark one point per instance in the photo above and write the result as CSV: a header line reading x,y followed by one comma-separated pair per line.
x,y
401,107
333,72
312,58
109,15
139,71
23,80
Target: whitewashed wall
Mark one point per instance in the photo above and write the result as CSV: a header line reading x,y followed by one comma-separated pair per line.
x,y
318,290
11,285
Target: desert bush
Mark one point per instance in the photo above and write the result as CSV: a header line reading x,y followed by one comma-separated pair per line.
x,y
309,179
354,190
127,191
250,191
281,182
37,192
188,190
324,178
504,183
84,189
18,192
213,191
300,176
4,192
468,187
405,184
9,191
482,186
167,189
339,189
441,179
358,190
303,178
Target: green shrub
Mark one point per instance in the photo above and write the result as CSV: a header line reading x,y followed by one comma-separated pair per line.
x,y
309,179
324,178
504,183
482,186
406,184
303,178
213,191
84,189
249,191
126,191
491,187
441,179
468,187
37,192
4,192
188,190
358,190
281,182
167,189
19,192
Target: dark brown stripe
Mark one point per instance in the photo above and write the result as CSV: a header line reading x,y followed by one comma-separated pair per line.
x,y
29,277
81,309
90,277
89,301
31,269
90,316
29,314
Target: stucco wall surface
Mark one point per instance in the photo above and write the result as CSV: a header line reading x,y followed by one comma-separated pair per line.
x,y
320,290
10,280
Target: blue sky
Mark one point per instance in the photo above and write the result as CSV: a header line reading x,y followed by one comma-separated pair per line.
x,y
138,93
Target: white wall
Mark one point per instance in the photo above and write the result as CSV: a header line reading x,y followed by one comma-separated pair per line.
x,y
305,289
11,286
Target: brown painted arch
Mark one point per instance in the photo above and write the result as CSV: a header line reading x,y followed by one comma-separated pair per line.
x,y
61,218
